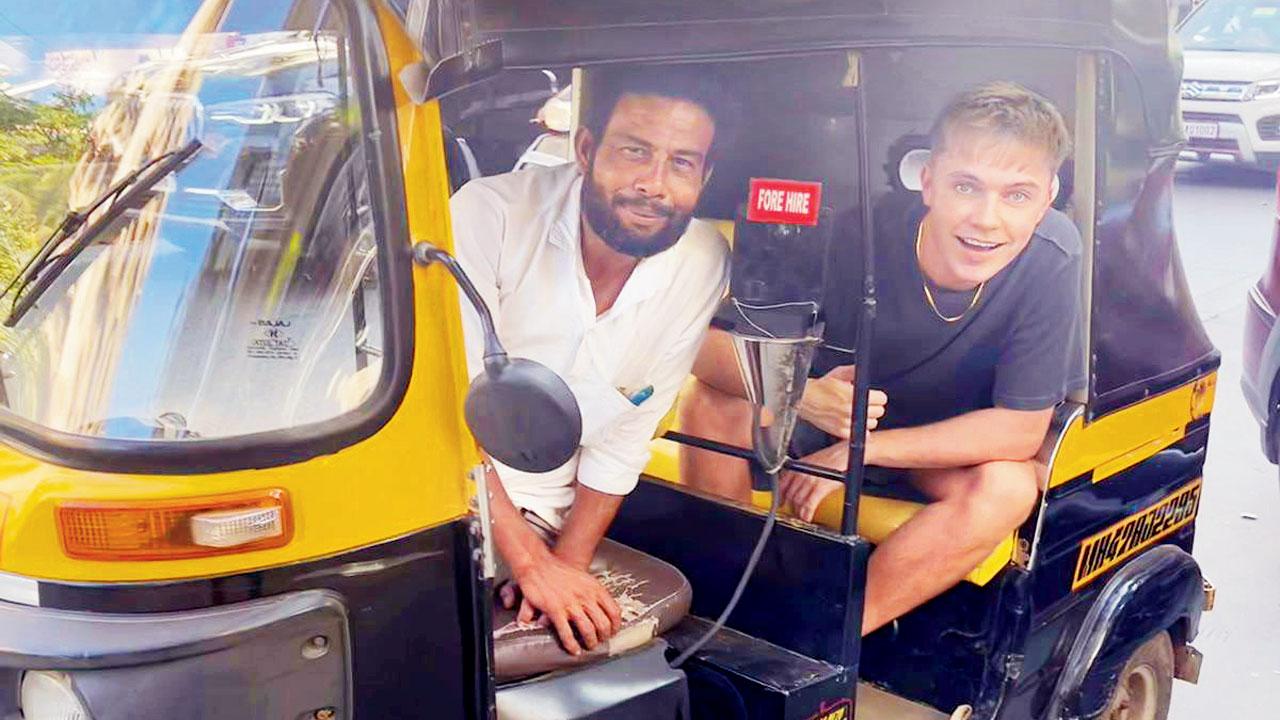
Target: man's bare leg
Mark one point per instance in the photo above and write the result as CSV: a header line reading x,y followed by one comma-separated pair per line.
x,y
710,413
974,510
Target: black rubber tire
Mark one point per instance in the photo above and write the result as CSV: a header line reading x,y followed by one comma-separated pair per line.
x,y
1144,686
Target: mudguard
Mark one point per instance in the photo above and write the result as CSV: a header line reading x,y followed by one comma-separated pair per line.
x,y
1161,589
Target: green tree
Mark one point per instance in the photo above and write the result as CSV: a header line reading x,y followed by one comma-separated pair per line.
x,y
40,144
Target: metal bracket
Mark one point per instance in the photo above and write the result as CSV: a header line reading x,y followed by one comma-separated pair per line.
x,y
1186,663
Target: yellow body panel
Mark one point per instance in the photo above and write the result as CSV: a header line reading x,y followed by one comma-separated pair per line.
x,y
1126,437
877,516
408,476
1105,447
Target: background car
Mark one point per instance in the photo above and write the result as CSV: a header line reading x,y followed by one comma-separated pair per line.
x,y
1231,81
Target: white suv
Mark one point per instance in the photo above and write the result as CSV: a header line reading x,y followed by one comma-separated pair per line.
x,y
1231,80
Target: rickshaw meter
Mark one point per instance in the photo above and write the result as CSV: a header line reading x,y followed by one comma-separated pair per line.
x,y
778,272
780,256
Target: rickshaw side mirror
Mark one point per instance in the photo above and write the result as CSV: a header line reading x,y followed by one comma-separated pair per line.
x,y
521,412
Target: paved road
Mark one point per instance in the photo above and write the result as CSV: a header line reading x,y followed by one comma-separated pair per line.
x,y
1224,220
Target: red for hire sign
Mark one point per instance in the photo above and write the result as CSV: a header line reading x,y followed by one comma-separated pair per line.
x,y
785,202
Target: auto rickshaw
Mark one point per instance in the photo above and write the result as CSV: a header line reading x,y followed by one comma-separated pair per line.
x,y
236,471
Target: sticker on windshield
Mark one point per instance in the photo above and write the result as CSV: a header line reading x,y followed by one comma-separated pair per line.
x,y
272,340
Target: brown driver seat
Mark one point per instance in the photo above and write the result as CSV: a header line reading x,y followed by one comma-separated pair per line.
x,y
652,595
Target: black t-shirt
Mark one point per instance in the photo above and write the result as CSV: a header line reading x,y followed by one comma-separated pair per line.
x,y
1019,347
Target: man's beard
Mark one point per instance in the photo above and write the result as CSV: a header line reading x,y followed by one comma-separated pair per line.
x,y
602,216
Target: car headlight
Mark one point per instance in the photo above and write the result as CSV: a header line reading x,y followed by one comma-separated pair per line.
x,y
50,696
1262,89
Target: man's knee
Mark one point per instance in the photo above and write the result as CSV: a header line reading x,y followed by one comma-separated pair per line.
x,y
708,412
1001,495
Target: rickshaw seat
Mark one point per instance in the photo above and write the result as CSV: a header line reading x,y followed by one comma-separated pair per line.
x,y
653,596
877,516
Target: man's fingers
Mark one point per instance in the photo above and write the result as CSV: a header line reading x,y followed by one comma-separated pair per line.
x,y
787,484
877,397
565,633
875,411
611,610
526,613
586,628
507,593
805,501
601,621
844,372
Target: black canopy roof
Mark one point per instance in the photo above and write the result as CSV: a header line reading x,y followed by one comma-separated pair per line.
x,y
543,33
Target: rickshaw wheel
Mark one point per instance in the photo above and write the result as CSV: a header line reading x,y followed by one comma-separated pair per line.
x,y
1145,684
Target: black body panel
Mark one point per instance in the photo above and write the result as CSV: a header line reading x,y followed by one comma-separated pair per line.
x,y
1078,510
417,614
738,677
803,573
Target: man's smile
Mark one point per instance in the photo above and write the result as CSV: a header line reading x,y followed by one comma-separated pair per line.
x,y
977,244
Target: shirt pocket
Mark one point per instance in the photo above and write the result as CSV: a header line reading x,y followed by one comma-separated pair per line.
x,y
601,403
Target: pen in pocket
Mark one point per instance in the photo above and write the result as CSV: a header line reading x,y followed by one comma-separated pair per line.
x,y
640,395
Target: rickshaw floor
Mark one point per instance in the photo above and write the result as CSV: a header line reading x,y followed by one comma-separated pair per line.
x,y
755,678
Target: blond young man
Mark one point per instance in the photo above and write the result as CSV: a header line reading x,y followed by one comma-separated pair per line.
x,y
976,339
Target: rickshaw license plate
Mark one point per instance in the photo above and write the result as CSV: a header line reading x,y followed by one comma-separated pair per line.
x,y
1200,129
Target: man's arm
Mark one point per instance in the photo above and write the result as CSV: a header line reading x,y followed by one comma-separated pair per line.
x,y
827,402
970,439
965,440
716,365
561,590
588,520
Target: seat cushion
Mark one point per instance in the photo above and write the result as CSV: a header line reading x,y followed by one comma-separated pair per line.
x,y
652,595
877,516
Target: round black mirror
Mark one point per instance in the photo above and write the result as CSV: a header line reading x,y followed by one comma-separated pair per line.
x,y
524,415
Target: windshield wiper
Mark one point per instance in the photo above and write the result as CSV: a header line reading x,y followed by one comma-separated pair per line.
x,y
44,267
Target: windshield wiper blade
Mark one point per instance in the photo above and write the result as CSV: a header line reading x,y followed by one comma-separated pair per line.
x,y
44,268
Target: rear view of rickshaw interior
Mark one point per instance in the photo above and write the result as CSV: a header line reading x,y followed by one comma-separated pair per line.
x,y
987,642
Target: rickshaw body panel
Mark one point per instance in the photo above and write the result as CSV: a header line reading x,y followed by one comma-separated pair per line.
x,y
331,513
381,523
427,576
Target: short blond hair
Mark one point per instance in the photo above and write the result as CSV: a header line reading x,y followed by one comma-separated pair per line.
x,y
1008,110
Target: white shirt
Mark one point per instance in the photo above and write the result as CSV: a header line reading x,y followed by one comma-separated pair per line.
x,y
518,237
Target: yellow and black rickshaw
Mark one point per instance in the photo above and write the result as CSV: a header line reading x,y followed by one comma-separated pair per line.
x,y
236,473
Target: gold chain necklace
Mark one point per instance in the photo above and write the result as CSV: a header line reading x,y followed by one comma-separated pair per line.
x,y
928,295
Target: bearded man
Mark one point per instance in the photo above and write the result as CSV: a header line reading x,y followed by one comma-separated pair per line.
x,y
596,270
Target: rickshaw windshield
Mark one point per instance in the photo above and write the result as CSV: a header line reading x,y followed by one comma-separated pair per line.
x,y
1235,25
240,294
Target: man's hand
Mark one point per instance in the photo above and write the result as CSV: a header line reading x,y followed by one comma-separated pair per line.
x,y
806,492
828,403
567,597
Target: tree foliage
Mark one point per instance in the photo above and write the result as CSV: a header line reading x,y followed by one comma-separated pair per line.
x,y
40,144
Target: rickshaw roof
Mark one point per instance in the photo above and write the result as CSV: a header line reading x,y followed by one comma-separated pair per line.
x,y
545,33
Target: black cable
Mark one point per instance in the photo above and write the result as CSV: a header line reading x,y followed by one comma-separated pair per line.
x,y
742,582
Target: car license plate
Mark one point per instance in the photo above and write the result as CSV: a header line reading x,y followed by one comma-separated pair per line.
x,y
1200,129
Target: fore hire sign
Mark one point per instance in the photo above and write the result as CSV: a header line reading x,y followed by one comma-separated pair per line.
x,y
785,202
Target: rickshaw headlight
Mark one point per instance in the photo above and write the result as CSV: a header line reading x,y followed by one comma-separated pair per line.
x,y
50,696
175,528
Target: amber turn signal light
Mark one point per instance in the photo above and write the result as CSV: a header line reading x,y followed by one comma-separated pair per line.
x,y
175,529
